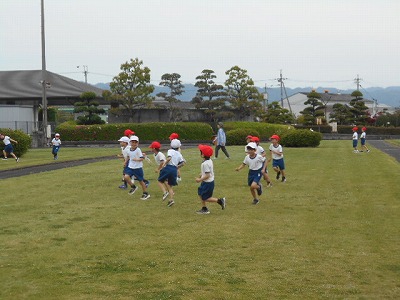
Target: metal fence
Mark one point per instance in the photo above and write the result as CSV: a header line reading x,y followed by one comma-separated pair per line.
x,y
26,126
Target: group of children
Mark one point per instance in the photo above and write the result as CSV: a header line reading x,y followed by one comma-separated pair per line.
x,y
168,166
362,138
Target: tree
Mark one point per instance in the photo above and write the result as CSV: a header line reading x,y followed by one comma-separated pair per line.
x,y
315,108
340,114
276,114
173,82
131,88
211,97
89,108
358,108
242,93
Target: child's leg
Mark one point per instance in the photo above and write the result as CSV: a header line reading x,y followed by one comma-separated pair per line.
x,y
162,186
253,189
13,155
4,154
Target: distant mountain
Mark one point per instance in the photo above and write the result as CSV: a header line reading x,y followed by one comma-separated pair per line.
x,y
389,96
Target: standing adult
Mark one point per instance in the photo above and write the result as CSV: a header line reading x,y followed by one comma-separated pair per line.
x,y
221,141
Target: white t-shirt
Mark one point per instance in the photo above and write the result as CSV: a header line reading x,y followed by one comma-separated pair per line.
x,y
159,158
6,140
207,167
278,149
56,142
363,135
176,157
125,151
260,150
355,136
135,154
254,163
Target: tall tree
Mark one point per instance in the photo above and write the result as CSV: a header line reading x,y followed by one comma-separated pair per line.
x,y
358,108
175,86
277,114
242,93
340,114
89,108
314,109
211,97
131,88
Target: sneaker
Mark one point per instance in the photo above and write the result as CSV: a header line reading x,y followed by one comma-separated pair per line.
x,y
368,151
145,196
269,184
123,186
164,196
259,190
278,175
222,202
283,179
256,201
178,179
170,203
203,212
5,158
133,190
17,159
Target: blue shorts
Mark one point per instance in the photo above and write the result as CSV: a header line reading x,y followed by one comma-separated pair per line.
x,y
9,149
278,163
169,173
206,190
362,142
355,142
137,173
254,176
55,149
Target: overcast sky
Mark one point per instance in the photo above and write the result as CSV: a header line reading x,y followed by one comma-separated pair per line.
x,y
314,42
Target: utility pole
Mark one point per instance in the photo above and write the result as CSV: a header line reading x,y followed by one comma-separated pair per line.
x,y
283,89
265,98
357,81
85,71
44,78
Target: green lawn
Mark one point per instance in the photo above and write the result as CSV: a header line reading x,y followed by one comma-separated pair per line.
x,y
331,231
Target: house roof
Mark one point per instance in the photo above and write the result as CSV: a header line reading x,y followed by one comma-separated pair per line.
x,y
331,97
26,85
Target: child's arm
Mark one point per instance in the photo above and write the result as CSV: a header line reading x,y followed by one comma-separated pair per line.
x,y
203,177
14,141
240,167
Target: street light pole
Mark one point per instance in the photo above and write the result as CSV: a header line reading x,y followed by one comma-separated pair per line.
x,y
44,78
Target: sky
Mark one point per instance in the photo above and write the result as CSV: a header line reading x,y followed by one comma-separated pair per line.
x,y
317,43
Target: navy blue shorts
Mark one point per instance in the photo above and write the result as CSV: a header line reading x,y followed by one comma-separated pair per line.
x,y
137,173
355,142
206,190
363,142
55,149
169,173
278,163
9,148
254,176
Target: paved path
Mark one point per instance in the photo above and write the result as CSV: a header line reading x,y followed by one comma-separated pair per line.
x,y
50,167
388,148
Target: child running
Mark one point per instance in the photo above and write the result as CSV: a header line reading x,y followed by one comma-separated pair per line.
x,y
124,143
8,149
278,163
255,163
159,158
56,142
206,188
169,169
260,150
135,168
173,136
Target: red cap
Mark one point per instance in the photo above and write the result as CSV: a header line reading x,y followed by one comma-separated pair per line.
x,y
173,136
355,128
206,150
364,128
128,132
255,139
249,137
276,137
155,145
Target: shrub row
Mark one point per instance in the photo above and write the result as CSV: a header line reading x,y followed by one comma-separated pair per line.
x,y
370,130
145,131
24,141
236,133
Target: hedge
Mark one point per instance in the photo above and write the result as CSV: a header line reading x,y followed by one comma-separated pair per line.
x,y
301,138
264,130
343,129
24,141
145,131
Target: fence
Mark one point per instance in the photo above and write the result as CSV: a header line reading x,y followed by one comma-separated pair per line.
x,y
26,126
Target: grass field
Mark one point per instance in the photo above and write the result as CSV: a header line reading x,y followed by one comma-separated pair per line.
x,y
332,231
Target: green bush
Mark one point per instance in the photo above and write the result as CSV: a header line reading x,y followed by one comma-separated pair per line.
x,y
264,130
301,138
145,131
238,136
24,141
319,128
